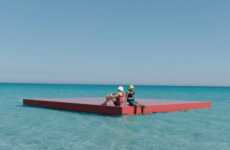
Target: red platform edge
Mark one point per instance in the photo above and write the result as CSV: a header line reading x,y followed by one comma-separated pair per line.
x,y
96,107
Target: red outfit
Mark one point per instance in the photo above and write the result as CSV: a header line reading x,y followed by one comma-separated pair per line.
x,y
120,99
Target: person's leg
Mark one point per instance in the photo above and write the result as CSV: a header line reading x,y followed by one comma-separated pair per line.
x,y
136,105
107,100
131,102
142,106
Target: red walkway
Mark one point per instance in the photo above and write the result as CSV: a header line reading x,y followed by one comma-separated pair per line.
x,y
94,106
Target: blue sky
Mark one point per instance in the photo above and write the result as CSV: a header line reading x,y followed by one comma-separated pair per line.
x,y
147,42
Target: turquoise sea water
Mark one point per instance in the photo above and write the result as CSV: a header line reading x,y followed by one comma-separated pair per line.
x,y
27,128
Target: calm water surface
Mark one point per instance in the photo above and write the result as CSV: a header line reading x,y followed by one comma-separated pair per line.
x,y
26,128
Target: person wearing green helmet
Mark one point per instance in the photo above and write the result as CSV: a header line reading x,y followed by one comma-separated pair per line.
x,y
131,95
131,99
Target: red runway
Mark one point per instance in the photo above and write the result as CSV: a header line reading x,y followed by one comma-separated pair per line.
x,y
94,106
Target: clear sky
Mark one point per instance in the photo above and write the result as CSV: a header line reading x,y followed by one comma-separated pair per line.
x,y
121,41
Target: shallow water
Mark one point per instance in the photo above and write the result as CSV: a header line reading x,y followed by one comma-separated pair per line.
x,y
27,128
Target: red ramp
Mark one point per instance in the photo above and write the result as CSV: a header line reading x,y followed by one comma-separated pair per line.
x,y
90,105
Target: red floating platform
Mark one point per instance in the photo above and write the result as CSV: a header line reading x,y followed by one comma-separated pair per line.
x,y
90,105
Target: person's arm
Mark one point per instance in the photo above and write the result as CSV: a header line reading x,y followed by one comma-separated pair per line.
x,y
113,96
118,94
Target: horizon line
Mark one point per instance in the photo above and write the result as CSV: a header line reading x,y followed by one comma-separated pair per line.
x,y
93,83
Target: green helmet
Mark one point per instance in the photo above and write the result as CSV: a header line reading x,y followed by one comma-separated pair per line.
x,y
131,87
